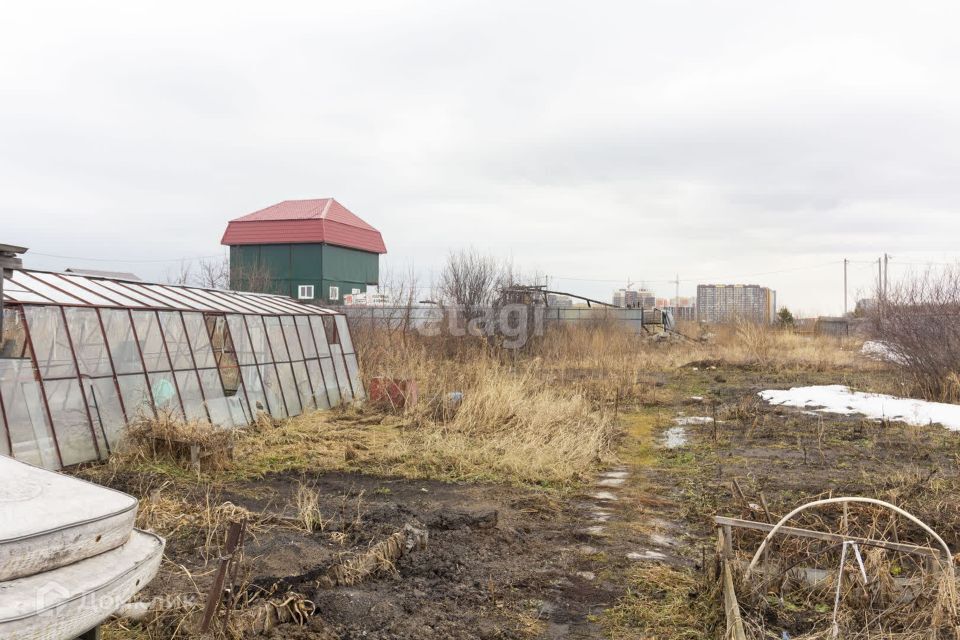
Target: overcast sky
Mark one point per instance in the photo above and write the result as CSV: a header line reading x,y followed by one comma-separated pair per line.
x,y
722,141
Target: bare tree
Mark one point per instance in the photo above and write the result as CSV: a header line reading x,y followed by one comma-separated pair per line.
x,y
472,281
918,321
213,273
181,275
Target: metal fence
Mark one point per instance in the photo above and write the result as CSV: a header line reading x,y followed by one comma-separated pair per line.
x,y
434,320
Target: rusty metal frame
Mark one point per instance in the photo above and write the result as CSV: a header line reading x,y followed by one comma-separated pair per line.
x,y
330,346
6,426
273,358
290,361
173,372
320,358
313,389
196,369
43,389
113,368
143,363
229,334
79,378
253,351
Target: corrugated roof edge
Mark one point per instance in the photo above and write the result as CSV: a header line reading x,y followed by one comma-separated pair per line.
x,y
282,302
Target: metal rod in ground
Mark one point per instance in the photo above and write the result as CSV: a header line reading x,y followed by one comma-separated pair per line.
x,y
215,594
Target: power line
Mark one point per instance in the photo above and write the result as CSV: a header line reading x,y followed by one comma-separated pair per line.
x,y
185,259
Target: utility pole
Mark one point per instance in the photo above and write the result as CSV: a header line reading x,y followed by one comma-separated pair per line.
x,y
845,263
886,260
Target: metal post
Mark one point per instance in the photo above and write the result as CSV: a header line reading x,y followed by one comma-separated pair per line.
x,y
845,263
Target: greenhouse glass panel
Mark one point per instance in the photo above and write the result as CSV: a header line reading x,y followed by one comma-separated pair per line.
x,y
70,421
50,342
320,336
240,339
88,342
199,340
353,369
277,340
330,381
343,332
135,391
31,283
150,340
120,339
81,294
254,388
191,395
346,392
218,405
176,337
291,336
306,336
289,385
164,392
272,390
258,339
304,388
27,422
106,412
319,388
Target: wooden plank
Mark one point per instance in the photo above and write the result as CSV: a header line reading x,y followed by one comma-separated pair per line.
x,y
827,537
731,607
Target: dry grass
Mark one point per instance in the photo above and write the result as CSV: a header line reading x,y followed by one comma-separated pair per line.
x,y
168,437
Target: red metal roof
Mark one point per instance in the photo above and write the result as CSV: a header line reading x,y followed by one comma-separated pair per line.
x,y
304,221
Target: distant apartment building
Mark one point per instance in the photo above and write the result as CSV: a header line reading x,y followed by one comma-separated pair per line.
x,y
634,299
718,303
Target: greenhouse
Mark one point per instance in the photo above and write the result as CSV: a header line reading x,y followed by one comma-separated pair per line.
x,y
82,356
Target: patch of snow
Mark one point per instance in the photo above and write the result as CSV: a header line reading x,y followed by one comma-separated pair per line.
x,y
675,437
837,398
686,421
696,398
876,350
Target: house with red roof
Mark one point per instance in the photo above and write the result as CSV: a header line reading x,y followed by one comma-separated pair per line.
x,y
306,249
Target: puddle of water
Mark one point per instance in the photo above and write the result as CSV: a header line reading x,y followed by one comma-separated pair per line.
x,y
686,421
662,540
675,437
615,474
604,495
611,482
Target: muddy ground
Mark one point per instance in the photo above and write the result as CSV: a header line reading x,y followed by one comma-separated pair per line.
x,y
569,564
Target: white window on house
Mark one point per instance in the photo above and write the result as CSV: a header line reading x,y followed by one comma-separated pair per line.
x,y
334,293
305,292
355,291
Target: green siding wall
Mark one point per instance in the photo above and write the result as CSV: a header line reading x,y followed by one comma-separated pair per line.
x,y
282,268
